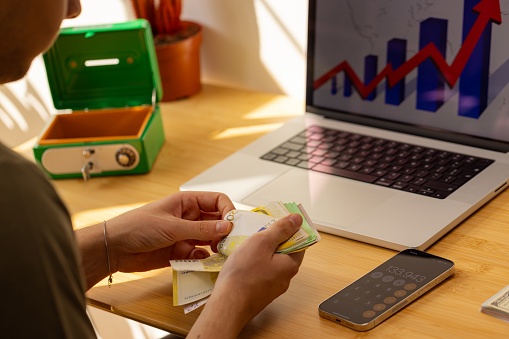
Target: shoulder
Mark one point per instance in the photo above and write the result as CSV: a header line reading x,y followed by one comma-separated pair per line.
x,y
24,185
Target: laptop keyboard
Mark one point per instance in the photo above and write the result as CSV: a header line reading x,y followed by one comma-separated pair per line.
x,y
421,170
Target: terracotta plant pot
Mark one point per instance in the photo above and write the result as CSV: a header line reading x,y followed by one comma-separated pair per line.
x,y
178,58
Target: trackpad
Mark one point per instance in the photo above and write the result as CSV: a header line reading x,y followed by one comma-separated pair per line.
x,y
328,200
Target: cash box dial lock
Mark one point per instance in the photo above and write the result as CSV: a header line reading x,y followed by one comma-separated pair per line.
x,y
125,157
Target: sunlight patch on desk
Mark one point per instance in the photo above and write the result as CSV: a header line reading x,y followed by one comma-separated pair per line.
x,y
94,216
25,149
246,130
277,108
26,146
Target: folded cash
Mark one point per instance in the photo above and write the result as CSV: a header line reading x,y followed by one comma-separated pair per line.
x,y
194,280
498,305
194,285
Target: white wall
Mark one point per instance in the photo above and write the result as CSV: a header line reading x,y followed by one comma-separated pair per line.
x,y
254,44
251,44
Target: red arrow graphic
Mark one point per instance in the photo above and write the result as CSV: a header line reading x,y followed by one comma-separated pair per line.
x,y
489,10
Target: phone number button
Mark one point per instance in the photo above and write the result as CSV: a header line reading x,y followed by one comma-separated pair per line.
x,y
388,278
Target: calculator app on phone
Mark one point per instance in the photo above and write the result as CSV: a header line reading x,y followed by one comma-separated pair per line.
x,y
385,290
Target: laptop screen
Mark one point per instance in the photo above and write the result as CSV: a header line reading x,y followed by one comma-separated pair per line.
x,y
433,68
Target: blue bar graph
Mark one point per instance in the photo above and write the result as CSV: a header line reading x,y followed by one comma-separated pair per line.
x,y
370,71
396,56
347,87
430,82
473,86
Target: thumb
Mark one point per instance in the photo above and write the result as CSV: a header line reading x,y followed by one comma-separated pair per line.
x,y
205,230
283,229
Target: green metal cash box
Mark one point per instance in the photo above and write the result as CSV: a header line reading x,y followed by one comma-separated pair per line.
x,y
107,79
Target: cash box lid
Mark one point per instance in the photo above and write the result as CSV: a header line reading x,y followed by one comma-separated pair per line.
x,y
103,66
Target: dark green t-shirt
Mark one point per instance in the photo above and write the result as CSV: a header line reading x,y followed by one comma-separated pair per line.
x,y
40,279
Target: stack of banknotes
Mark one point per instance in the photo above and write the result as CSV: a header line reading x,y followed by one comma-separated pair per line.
x,y
193,280
498,305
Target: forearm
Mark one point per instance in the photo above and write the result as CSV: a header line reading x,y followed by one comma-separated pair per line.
x,y
224,316
94,260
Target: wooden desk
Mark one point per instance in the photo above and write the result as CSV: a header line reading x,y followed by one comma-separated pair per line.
x,y
206,128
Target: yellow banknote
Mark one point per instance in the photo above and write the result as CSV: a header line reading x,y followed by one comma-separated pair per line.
x,y
214,263
191,286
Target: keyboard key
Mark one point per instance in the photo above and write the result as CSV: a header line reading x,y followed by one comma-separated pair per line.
x,y
269,156
384,182
325,145
419,181
380,173
370,162
434,176
280,151
292,162
280,158
441,186
421,173
299,140
354,167
393,176
332,154
292,154
292,146
399,185
366,170
401,161
344,173
440,194
411,188
472,167
315,159
425,191
319,152
406,178
304,156
329,162
382,165
303,164
448,179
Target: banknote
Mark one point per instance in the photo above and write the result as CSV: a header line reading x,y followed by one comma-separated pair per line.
x,y
498,305
214,263
246,223
201,273
191,286
194,305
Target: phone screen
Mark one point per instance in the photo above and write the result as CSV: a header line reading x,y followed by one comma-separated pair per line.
x,y
386,289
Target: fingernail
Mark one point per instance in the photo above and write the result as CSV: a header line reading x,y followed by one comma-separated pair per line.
x,y
222,226
295,219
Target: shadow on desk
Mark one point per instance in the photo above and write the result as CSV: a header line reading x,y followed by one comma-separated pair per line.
x,y
146,297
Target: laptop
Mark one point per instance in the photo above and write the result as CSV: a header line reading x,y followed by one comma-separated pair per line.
x,y
406,129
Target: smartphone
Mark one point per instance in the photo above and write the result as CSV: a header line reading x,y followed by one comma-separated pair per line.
x,y
385,290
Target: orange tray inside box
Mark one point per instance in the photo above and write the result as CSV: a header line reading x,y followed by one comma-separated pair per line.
x,y
97,125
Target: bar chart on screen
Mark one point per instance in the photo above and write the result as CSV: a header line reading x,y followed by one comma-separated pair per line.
x,y
470,67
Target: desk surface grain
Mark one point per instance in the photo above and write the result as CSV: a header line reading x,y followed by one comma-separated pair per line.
x,y
206,128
